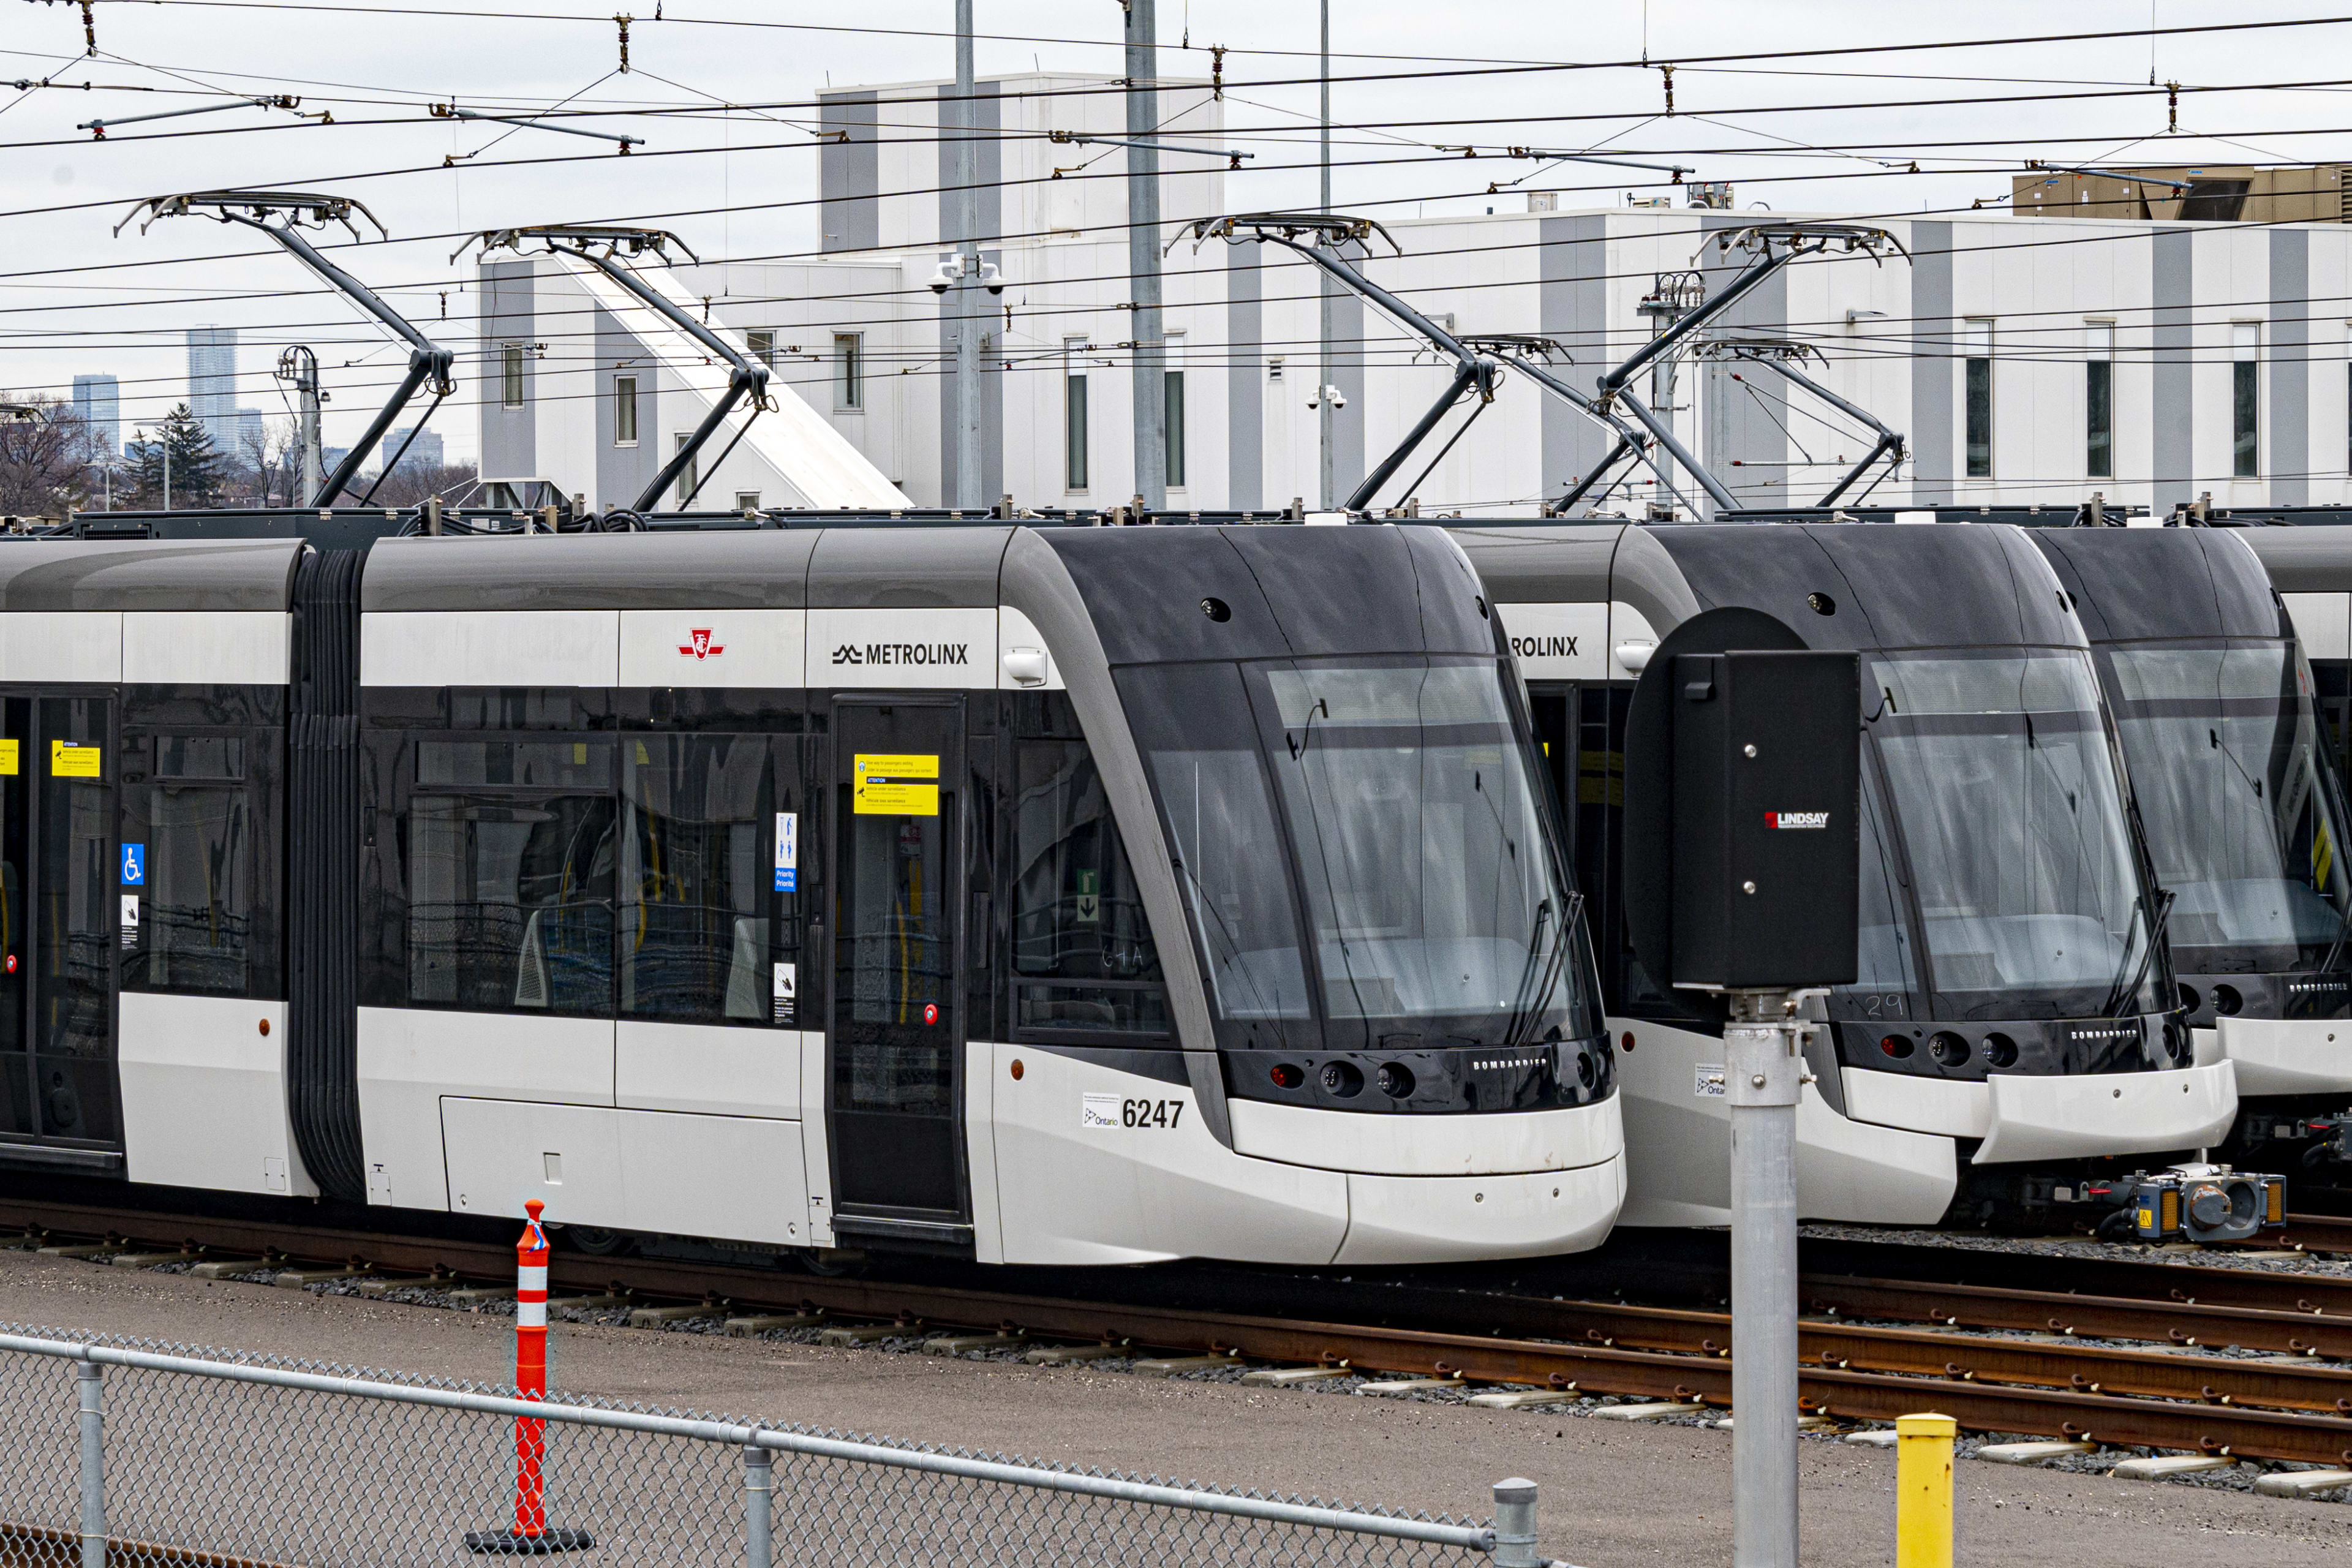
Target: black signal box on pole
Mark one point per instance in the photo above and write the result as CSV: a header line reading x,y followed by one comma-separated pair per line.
x,y
1767,784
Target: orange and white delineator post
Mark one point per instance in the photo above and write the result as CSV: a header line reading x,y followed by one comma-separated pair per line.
x,y
531,1532
531,1372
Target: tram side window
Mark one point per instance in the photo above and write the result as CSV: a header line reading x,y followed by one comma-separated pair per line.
x,y
194,856
511,872
709,927
1083,957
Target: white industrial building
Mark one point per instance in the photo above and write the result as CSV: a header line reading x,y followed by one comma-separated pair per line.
x,y
2217,350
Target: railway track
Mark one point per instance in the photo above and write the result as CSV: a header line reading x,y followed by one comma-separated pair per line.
x,y
2166,1390
2318,1231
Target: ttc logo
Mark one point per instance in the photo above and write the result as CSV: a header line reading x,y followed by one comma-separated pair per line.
x,y
701,646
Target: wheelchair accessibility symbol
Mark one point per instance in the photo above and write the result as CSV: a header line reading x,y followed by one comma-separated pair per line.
x,y
134,865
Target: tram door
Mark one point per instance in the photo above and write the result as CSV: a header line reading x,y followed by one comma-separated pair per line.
x,y
61,877
894,1045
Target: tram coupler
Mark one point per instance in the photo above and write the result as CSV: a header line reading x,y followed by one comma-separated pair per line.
x,y
2325,1138
2194,1203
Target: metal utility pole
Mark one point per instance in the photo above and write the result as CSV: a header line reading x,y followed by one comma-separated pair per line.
x,y
1673,296
1763,1070
963,173
1143,251
300,366
1325,389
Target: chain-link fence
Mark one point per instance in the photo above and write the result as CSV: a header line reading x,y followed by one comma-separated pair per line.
x,y
129,1454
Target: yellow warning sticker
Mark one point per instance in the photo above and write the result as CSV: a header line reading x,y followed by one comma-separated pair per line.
x,y
882,785
67,761
9,757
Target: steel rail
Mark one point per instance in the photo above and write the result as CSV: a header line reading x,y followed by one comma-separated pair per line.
x,y
2189,1325
2157,1399
2318,1233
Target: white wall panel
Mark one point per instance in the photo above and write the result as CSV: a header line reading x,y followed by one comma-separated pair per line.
x,y
1559,642
61,644
707,1068
410,1057
727,1178
902,649
503,1153
227,648
2322,622
491,647
203,1094
758,648
1072,1190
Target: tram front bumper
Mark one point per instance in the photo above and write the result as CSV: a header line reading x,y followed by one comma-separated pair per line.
x,y
2287,1056
1446,1219
2033,1118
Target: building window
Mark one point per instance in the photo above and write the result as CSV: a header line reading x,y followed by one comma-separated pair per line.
x,y
848,371
511,387
2099,402
625,410
1074,416
762,347
687,481
1172,428
747,500
2246,397
1977,341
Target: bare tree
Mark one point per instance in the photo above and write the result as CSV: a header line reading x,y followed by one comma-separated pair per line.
x,y
411,482
44,459
268,473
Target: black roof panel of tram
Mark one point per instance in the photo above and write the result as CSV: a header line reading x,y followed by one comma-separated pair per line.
x,y
1339,591
148,574
2136,583
1928,586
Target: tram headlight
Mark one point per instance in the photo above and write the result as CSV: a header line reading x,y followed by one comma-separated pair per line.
x,y
1395,1080
1343,1078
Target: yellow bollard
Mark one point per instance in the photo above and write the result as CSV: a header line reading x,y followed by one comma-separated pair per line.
x,y
1923,1491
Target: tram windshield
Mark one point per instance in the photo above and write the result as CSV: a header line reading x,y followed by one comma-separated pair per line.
x,y
2003,804
1371,870
2245,815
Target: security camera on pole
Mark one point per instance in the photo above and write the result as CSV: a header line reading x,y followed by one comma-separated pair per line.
x,y
1743,788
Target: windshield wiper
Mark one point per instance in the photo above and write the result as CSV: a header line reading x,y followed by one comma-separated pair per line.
x,y
2120,993
1535,983
2335,948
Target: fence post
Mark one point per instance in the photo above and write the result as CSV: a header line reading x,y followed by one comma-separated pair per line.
x,y
88,1384
1923,1491
1515,1524
759,1504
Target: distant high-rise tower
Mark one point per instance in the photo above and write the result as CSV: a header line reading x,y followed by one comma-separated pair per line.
x,y
250,436
424,452
212,384
97,404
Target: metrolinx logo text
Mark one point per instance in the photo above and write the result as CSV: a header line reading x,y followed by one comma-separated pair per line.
x,y
932,652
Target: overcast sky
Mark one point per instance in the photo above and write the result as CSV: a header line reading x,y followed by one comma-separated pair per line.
x,y
75,299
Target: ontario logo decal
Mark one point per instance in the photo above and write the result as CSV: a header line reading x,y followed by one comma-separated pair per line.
x,y
701,646
926,653
1796,819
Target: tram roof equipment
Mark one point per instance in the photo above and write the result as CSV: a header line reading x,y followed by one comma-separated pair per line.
x,y
812,457
281,214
